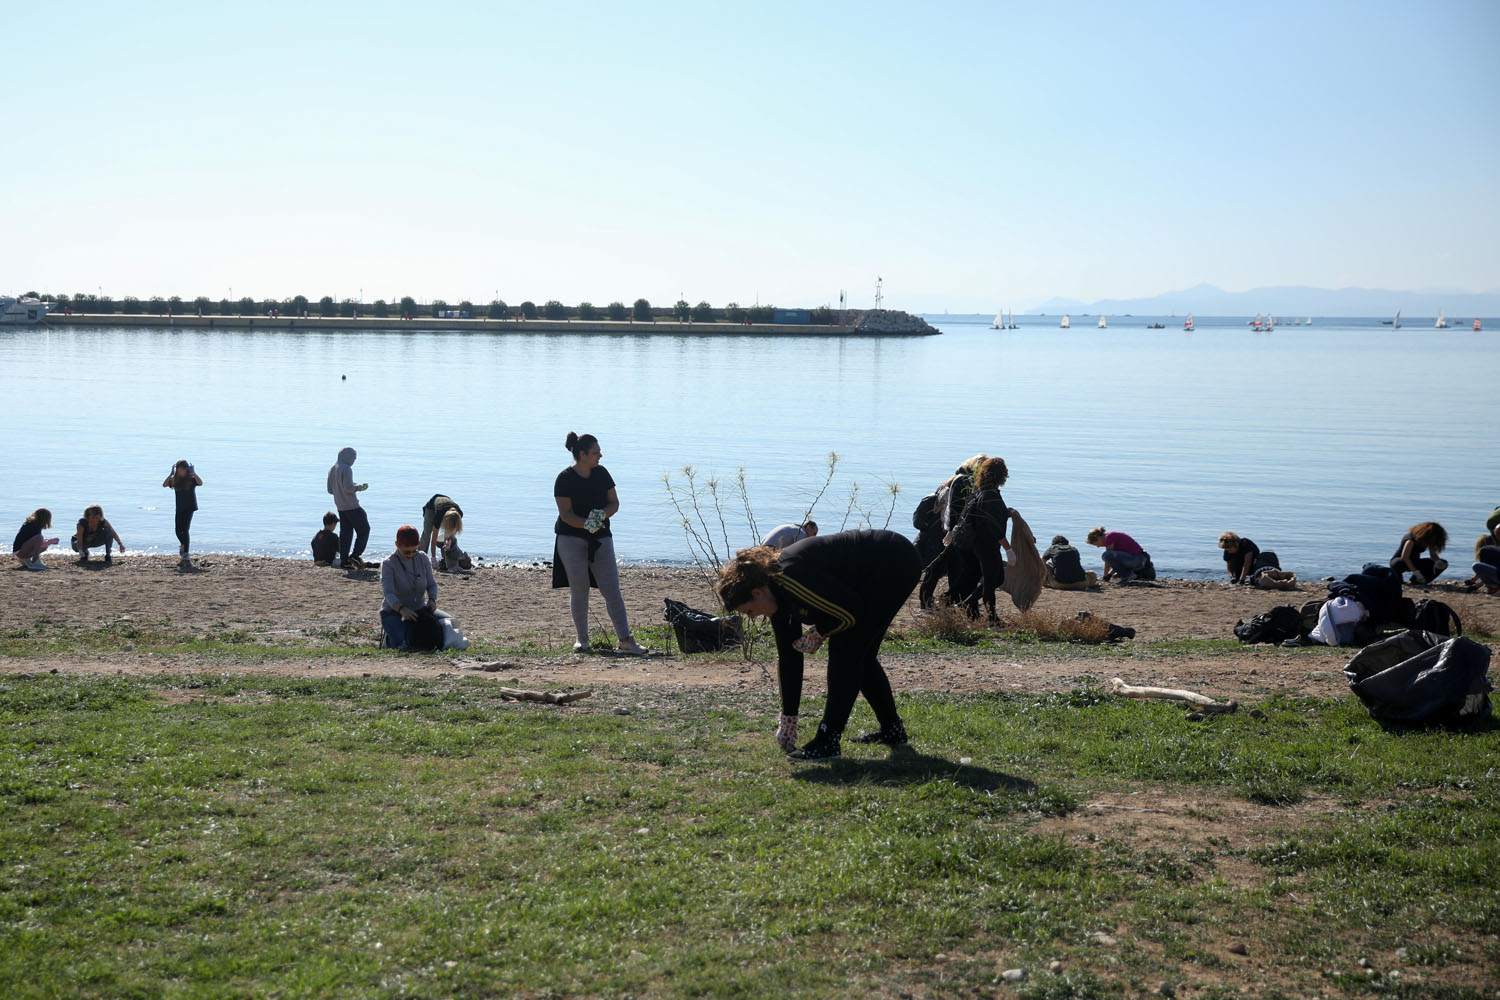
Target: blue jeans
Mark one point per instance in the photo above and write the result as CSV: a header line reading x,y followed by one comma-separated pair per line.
x,y
1123,563
394,627
1488,566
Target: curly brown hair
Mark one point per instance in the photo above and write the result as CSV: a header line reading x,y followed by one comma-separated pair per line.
x,y
750,568
1429,535
992,473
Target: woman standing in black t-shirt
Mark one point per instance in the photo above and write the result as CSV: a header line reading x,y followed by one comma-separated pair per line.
x,y
584,552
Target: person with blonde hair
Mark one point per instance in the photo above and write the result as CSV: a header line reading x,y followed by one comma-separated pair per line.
x,y
1427,535
847,588
93,531
29,544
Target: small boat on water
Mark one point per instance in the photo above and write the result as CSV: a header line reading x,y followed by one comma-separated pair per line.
x,y
1103,325
1188,326
1257,324
1394,324
1309,321
1156,326
1476,324
999,323
22,311
1011,321
1065,324
1442,321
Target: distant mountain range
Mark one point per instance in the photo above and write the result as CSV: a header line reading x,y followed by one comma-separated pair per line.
x,y
1287,300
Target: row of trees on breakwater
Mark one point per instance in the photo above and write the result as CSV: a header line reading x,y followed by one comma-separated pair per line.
x,y
300,305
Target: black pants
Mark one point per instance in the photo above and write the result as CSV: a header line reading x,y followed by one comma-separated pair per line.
x,y
184,522
354,524
854,656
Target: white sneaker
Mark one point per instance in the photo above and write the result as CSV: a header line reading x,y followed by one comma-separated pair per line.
x,y
36,563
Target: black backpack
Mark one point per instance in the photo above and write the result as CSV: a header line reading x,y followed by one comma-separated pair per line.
x,y
1147,570
927,515
426,633
1281,622
1435,616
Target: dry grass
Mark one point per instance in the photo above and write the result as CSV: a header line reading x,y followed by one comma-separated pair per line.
x,y
948,623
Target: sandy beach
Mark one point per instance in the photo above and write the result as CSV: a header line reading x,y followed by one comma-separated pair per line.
x,y
263,601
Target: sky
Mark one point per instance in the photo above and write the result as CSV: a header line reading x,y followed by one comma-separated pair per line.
x,y
971,155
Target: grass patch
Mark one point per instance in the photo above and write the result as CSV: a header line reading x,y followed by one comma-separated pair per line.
x,y
203,836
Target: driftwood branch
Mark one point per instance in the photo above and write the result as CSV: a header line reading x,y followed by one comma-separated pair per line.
x,y
546,697
1202,701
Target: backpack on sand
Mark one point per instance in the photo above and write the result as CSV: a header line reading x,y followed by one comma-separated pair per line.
x,y
1435,616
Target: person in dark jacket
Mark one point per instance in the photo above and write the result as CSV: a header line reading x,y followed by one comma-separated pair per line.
x,y
848,587
1064,565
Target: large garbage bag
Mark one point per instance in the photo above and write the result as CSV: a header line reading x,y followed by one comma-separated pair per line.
x,y
700,632
1421,676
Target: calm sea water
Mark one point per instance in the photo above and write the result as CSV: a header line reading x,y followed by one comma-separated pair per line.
x,y
1324,443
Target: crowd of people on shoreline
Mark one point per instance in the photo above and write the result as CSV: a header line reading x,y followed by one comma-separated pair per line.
x,y
843,588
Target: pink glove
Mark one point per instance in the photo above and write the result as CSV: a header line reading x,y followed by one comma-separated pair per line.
x,y
809,642
786,733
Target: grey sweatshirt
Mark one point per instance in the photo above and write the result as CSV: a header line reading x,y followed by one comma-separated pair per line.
x,y
341,481
408,583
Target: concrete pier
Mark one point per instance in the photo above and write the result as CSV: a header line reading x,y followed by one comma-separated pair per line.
x,y
622,328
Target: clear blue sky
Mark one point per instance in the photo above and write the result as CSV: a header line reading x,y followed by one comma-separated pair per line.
x,y
973,154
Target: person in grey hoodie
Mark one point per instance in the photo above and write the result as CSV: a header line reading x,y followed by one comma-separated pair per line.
x,y
354,525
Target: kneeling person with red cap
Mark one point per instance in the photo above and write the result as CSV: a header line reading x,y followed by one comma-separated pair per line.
x,y
408,616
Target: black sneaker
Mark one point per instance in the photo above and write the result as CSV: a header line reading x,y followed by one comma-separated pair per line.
x,y
892,736
819,748
108,560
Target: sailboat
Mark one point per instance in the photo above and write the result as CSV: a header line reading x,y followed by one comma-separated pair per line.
x,y
1270,322
999,323
1396,323
1476,324
1012,324
1256,323
1188,326
1103,325
1442,321
1065,324
1309,321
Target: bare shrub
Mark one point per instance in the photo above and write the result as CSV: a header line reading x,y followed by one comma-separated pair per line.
x,y
948,623
1089,629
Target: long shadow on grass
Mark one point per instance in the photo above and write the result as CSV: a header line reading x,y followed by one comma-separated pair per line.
x,y
907,767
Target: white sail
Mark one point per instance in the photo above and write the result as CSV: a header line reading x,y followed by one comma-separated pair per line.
x,y
1309,321
1065,324
1189,324
1396,323
999,323
1102,324
1442,321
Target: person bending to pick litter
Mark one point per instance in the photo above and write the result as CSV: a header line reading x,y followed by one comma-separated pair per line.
x,y
847,587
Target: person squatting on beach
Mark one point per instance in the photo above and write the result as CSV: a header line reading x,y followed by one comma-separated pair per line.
x,y
410,589
1487,563
1064,567
1428,535
583,554
783,535
93,531
848,587
325,544
184,483
1122,556
29,544
354,523
442,522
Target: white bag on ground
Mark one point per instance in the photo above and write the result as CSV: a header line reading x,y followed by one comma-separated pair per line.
x,y
453,637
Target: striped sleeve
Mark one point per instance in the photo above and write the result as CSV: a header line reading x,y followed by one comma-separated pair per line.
x,y
843,617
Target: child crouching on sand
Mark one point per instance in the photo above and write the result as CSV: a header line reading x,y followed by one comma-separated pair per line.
x,y
29,544
93,531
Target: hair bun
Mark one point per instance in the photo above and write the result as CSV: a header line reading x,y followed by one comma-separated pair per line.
x,y
572,441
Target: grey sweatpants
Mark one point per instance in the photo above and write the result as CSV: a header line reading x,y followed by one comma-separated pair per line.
x,y
574,553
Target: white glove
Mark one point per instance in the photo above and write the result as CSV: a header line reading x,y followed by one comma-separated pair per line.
x,y
786,733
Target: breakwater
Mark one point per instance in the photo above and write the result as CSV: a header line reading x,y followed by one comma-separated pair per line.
x,y
873,323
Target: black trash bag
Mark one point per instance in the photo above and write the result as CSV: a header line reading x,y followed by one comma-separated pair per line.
x,y
426,633
1280,623
1422,677
701,632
